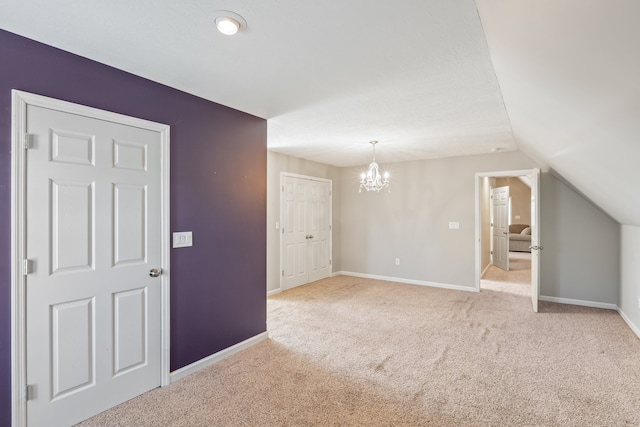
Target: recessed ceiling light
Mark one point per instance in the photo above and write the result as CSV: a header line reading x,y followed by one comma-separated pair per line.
x,y
228,22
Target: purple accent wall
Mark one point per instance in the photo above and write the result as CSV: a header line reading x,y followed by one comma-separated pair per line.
x,y
218,191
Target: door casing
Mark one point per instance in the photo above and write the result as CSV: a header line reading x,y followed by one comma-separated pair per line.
x,y
19,141
478,227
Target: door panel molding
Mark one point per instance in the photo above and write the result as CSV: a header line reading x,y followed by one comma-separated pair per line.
x,y
74,152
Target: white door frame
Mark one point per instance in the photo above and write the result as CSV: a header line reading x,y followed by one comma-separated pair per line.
x,y
311,178
20,101
478,236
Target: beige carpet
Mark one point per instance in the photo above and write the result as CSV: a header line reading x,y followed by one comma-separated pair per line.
x,y
357,352
516,281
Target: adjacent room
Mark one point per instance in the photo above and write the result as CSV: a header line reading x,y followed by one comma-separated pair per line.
x,y
286,213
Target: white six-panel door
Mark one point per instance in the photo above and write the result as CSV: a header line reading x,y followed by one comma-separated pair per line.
x,y
306,231
318,224
93,233
500,229
295,244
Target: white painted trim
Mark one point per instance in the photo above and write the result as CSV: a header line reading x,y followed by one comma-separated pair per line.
x,y
594,304
478,227
281,204
165,242
310,178
407,281
628,321
18,244
20,100
216,357
273,292
485,270
478,233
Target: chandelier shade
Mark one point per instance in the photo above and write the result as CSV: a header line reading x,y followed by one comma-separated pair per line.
x,y
373,180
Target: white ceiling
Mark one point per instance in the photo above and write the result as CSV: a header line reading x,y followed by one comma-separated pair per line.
x,y
424,77
330,76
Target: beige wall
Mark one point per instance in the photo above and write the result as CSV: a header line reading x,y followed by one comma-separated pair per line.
x,y
581,255
411,222
520,199
580,260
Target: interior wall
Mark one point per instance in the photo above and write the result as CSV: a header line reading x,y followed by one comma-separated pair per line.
x,y
410,223
581,255
218,191
520,199
277,163
629,298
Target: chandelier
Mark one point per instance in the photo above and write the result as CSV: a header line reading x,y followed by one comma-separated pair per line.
x,y
372,180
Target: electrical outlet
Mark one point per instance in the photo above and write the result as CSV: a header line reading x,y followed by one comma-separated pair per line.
x,y
397,261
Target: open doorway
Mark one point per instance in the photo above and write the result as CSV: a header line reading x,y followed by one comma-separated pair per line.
x,y
520,273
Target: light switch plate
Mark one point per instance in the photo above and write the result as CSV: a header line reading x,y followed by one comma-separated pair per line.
x,y
182,239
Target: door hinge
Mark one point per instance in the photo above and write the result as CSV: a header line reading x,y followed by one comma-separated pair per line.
x,y
282,230
28,266
491,252
28,141
329,262
283,188
282,273
30,392
329,226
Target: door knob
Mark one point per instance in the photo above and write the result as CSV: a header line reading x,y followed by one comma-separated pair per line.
x,y
155,272
310,236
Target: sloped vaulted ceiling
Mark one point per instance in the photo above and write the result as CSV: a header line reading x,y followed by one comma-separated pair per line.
x,y
569,72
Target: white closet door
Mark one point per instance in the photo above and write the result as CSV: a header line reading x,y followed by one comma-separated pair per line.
x,y
306,231
319,222
93,226
294,229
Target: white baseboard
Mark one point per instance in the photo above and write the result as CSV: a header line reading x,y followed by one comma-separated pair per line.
x,y
216,357
583,303
633,327
485,270
273,292
408,281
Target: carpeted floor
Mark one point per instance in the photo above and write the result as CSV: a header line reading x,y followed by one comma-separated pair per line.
x,y
516,281
358,352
